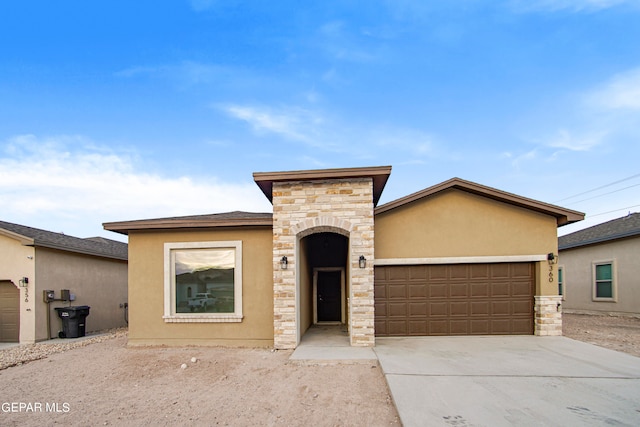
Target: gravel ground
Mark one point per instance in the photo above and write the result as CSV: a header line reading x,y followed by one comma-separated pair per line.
x,y
100,381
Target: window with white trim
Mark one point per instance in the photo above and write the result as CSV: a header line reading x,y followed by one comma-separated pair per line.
x,y
604,286
203,281
561,287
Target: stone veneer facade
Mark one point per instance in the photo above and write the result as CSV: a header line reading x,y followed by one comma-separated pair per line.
x,y
548,315
302,208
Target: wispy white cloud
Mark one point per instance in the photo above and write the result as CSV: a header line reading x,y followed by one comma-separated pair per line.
x,y
621,92
576,142
293,123
189,72
524,6
71,180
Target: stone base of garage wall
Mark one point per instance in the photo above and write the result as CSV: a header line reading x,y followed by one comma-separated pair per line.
x,y
548,315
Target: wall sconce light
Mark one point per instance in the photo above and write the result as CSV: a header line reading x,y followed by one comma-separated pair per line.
x,y
362,261
553,259
24,282
284,263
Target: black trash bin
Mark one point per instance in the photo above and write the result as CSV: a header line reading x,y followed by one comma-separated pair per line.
x,y
73,320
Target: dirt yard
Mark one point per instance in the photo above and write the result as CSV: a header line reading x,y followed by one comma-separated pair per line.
x,y
106,383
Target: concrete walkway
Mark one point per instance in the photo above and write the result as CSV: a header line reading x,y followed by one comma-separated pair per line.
x,y
330,344
507,381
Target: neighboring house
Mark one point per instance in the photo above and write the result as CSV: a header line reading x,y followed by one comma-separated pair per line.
x,y
600,267
93,270
457,258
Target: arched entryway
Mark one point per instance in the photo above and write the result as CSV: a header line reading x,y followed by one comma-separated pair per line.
x,y
9,312
323,281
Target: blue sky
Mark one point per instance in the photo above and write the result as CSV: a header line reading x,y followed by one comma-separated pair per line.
x,y
119,110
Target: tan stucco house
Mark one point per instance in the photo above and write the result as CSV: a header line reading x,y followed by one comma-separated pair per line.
x,y
32,261
457,258
600,268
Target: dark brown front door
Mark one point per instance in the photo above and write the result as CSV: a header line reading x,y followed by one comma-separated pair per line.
x,y
456,299
329,296
9,312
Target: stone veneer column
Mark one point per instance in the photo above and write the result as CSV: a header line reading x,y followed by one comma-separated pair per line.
x,y
548,315
323,206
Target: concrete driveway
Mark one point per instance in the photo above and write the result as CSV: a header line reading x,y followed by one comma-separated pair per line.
x,y
511,380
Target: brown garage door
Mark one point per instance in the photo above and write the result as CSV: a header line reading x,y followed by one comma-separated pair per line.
x,y
9,312
457,299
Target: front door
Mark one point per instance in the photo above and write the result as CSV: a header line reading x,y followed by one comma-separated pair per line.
x,y
329,295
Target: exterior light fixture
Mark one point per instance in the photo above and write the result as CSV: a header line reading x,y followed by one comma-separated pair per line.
x,y
362,261
552,258
284,263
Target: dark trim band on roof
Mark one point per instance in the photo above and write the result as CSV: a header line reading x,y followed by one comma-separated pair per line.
x,y
229,219
379,175
562,215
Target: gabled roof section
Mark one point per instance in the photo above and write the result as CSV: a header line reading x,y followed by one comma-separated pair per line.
x,y
563,216
628,226
228,219
379,174
30,236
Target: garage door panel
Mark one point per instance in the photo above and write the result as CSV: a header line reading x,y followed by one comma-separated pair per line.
x,y
418,290
459,290
459,309
438,291
438,309
479,290
471,299
9,312
459,327
500,308
397,309
418,309
397,291
479,308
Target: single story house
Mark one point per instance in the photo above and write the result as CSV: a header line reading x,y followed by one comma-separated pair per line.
x,y
457,258
34,263
600,267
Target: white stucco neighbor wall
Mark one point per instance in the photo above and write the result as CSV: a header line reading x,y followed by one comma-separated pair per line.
x,y
305,207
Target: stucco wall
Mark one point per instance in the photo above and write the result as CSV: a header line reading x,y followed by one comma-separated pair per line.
x,y
18,261
100,283
455,223
578,276
146,291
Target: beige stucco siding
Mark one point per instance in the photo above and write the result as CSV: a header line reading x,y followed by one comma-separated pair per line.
x,y
100,283
146,290
577,265
455,223
18,261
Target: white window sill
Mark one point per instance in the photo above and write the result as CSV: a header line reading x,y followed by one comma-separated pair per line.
x,y
203,318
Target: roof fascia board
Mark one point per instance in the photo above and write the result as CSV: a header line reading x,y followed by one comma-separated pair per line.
x,y
126,226
563,216
24,240
379,175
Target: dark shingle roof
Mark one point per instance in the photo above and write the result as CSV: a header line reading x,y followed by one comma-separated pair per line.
x,y
227,219
97,246
620,228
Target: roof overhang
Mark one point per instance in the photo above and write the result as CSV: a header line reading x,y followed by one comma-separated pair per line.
x,y
563,216
190,222
24,240
379,175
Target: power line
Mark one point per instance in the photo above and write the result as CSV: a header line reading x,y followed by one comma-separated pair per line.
x,y
604,194
615,210
598,188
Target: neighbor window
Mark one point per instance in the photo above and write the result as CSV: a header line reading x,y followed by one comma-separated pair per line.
x,y
604,284
203,282
561,282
